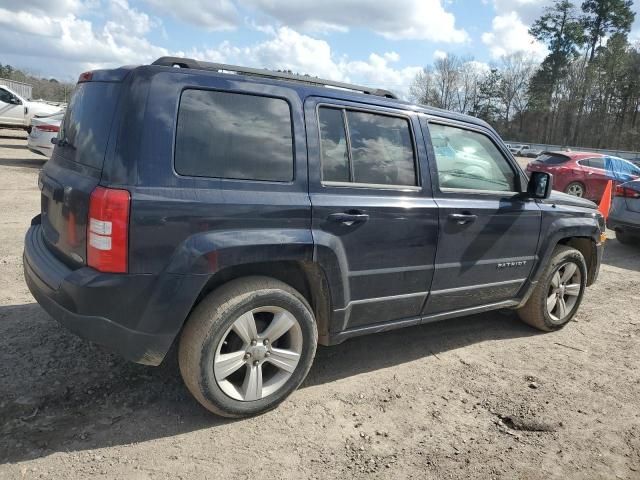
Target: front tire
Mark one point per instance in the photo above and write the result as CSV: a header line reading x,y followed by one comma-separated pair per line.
x,y
247,346
558,295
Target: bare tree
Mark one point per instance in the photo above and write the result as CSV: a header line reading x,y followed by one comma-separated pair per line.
x,y
452,83
516,72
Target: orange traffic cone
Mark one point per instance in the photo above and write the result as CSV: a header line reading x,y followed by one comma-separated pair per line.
x,y
605,201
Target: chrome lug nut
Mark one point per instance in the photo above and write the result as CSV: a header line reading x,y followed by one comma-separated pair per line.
x,y
247,356
256,363
267,354
266,341
254,342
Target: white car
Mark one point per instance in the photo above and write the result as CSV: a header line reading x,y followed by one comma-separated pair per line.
x,y
43,130
16,111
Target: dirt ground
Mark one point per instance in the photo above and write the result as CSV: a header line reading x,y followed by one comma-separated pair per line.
x,y
477,397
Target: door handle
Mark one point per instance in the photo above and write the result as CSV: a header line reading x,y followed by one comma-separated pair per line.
x,y
348,218
462,218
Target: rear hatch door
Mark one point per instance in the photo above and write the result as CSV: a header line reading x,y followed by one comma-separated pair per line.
x,y
75,168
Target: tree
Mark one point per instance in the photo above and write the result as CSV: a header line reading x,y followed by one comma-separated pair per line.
x,y
489,100
605,17
452,83
517,71
561,28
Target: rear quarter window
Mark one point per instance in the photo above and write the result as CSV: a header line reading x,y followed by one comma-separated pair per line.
x,y
550,159
234,135
87,123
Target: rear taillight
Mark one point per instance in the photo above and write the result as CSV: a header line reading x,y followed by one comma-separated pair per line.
x,y
85,77
48,128
621,191
108,230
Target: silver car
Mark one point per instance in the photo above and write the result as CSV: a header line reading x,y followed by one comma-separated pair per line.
x,y
624,217
43,129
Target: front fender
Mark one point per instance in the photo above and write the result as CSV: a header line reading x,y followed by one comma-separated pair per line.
x,y
558,226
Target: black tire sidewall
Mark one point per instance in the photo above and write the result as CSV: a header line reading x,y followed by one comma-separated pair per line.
x,y
278,298
577,258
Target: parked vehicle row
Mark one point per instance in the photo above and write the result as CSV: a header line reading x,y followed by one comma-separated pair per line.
x,y
584,174
523,150
250,216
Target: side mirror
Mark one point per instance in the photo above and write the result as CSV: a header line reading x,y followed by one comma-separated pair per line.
x,y
540,185
15,101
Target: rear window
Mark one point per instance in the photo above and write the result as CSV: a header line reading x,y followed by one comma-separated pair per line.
x,y
550,159
233,135
87,123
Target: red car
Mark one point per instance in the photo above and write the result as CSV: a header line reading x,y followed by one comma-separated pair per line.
x,y
584,174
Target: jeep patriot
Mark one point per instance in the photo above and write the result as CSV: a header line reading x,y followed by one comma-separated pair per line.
x,y
249,215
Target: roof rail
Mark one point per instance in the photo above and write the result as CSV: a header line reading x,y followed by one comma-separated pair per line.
x,y
221,67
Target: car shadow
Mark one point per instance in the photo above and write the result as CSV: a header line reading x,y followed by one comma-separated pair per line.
x,y
23,162
61,393
17,147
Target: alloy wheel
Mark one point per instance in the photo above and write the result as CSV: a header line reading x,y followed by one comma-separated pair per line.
x,y
564,291
258,353
576,190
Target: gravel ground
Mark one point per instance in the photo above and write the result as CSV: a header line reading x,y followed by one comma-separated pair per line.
x,y
476,397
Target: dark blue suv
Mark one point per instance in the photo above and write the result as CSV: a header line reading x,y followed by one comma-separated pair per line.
x,y
249,215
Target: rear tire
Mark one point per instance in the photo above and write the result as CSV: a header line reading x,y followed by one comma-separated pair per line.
x,y
558,295
576,189
247,346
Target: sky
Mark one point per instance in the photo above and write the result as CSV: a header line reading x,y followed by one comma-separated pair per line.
x,y
371,42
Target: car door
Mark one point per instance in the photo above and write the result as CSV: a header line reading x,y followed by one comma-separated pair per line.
x,y
489,231
372,210
11,108
595,177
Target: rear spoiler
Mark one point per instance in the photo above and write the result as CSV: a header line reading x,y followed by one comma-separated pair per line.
x,y
106,75
555,154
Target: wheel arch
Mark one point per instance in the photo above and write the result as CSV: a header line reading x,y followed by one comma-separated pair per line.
x,y
571,231
587,247
306,277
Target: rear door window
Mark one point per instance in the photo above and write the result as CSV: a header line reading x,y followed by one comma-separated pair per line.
x,y
594,162
381,149
366,148
551,159
333,145
235,136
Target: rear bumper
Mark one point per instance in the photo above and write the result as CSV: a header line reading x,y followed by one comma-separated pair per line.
x,y
136,316
623,219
